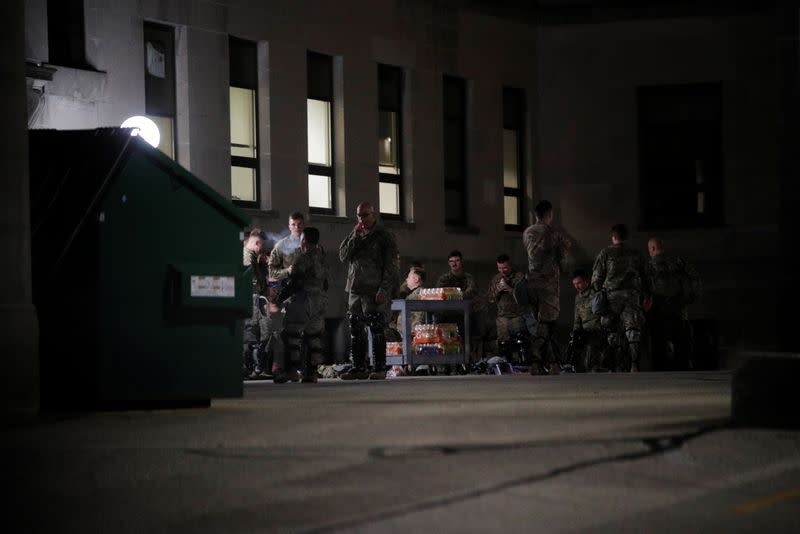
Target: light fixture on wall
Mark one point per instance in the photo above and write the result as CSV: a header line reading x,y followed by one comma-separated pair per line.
x,y
144,127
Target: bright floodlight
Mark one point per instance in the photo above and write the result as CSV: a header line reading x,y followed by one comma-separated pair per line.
x,y
144,127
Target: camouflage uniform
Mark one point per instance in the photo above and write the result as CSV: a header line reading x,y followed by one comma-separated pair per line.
x,y
257,327
622,272
465,282
285,251
676,284
586,325
512,329
546,249
371,267
283,254
304,312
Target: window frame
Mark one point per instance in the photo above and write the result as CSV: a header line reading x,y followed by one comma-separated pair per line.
x,y
168,108
455,116
323,92
66,34
240,81
392,74
687,109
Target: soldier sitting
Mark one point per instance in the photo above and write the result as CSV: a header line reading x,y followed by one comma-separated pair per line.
x,y
512,330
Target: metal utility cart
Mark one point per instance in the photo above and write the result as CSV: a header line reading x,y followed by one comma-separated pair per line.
x,y
429,306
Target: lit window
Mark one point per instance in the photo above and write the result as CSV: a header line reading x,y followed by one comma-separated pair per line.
x,y
319,132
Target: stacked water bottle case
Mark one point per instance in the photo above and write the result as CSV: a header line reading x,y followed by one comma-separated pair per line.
x,y
437,339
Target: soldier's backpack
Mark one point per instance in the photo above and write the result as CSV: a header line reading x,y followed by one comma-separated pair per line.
x,y
600,303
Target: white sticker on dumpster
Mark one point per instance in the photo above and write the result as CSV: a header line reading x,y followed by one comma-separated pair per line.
x,y
213,286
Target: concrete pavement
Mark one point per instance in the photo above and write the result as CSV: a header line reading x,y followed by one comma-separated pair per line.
x,y
572,453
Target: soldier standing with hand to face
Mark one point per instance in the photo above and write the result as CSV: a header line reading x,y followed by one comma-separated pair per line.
x,y
370,252
546,249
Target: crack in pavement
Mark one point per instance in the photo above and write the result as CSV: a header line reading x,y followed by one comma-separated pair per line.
x,y
656,445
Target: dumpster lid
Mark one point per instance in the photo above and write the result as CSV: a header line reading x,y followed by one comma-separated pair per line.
x,y
70,170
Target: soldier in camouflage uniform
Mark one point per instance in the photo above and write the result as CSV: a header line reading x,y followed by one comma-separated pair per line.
x,y
304,309
546,249
257,327
370,252
676,284
588,335
512,330
457,277
622,272
280,267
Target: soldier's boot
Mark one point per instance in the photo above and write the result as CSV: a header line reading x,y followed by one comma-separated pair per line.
x,y
311,358
523,347
358,348
537,363
257,356
264,363
292,344
504,349
633,348
377,327
247,362
546,330
613,351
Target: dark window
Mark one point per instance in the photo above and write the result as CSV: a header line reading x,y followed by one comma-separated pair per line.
x,y
680,128
320,133
390,91
66,33
513,157
159,82
244,121
454,131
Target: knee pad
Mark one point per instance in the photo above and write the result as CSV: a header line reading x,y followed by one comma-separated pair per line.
x,y
314,345
545,329
520,339
290,339
376,321
613,340
357,322
633,335
538,342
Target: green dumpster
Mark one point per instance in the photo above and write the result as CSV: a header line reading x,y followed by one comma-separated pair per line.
x,y
137,275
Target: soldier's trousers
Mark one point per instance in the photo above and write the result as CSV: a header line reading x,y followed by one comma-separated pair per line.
x,y
672,341
256,331
546,294
363,312
626,318
304,320
595,345
508,326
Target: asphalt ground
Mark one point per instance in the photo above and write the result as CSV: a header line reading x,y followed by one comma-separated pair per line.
x,y
647,452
